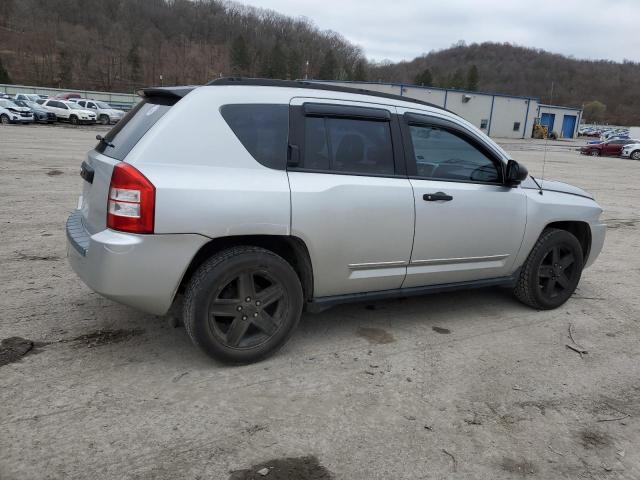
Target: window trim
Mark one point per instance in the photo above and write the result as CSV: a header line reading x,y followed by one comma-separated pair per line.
x,y
415,119
297,114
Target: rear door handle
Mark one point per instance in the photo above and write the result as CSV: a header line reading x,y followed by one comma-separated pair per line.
x,y
438,196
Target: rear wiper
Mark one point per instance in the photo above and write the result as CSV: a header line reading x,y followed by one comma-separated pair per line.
x,y
103,140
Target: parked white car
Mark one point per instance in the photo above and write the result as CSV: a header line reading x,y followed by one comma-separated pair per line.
x,y
27,97
69,111
105,113
12,113
631,151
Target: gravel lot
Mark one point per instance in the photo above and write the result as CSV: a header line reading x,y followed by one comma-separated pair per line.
x,y
469,385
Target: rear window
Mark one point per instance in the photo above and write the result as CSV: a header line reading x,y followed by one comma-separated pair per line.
x,y
263,129
128,131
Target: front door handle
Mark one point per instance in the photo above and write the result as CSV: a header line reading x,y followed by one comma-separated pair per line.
x,y
434,197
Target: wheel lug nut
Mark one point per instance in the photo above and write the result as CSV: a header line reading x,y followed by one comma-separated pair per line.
x,y
258,303
255,314
239,308
244,317
248,299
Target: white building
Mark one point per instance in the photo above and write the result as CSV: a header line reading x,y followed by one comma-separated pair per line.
x,y
503,116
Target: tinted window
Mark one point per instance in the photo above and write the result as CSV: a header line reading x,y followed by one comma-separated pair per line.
x,y
347,145
133,126
262,129
443,155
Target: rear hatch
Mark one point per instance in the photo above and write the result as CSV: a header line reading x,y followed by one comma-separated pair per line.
x,y
96,170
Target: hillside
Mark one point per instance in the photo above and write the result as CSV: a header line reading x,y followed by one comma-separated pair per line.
x,y
121,45
510,69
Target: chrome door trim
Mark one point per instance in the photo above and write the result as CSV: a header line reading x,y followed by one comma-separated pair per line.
x,y
364,266
443,261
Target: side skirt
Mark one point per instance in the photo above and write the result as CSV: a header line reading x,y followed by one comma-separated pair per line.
x,y
319,304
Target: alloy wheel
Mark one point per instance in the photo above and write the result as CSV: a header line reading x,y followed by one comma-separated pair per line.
x,y
557,271
248,309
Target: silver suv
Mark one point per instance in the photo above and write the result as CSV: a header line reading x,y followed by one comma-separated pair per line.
x,y
257,199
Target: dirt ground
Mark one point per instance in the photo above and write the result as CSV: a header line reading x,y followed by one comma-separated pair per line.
x,y
468,385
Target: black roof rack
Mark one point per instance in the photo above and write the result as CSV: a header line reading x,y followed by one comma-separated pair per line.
x,y
313,85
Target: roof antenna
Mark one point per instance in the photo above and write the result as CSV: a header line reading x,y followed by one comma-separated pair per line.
x,y
546,143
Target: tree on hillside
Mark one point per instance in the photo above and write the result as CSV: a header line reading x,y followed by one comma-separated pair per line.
x,y
135,66
274,64
360,71
294,64
329,67
65,68
424,78
239,56
472,78
457,79
4,75
594,111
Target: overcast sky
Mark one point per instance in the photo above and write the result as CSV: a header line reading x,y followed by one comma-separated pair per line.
x,y
404,29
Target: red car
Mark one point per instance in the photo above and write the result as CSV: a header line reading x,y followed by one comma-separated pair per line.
x,y
613,147
67,96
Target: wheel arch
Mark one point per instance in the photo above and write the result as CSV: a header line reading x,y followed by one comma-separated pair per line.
x,y
290,248
580,230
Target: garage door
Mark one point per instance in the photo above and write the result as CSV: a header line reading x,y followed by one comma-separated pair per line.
x,y
548,119
568,126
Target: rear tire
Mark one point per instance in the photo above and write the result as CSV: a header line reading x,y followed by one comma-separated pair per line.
x,y
552,271
4,119
242,304
594,153
73,119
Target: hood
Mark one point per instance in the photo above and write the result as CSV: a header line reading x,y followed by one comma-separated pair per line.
x,y
555,186
18,109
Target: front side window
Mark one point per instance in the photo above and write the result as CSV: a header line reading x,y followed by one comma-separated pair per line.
x,y
263,129
441,154
348,145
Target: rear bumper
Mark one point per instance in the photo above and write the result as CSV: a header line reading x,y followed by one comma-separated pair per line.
x,y
142,271
598,233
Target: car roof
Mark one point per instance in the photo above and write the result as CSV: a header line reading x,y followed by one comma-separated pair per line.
x,y
181,91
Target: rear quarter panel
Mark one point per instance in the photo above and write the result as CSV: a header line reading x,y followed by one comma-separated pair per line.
x,y
206,181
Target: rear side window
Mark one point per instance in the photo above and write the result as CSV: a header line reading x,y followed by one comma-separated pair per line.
x,y
348,145
263,129
133,126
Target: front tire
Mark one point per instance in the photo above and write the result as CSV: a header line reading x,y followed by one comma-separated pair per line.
x,y
74,120
635,155
104,120
4,119
242,304
552,271
594,153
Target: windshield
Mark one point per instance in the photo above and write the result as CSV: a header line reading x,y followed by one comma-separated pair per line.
x,y
7,104
32,104
72,105
20,103
103,105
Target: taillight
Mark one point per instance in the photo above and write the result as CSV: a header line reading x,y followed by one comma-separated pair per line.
x,y
132,199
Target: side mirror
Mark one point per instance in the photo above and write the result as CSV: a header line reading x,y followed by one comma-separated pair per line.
x,y
516,173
